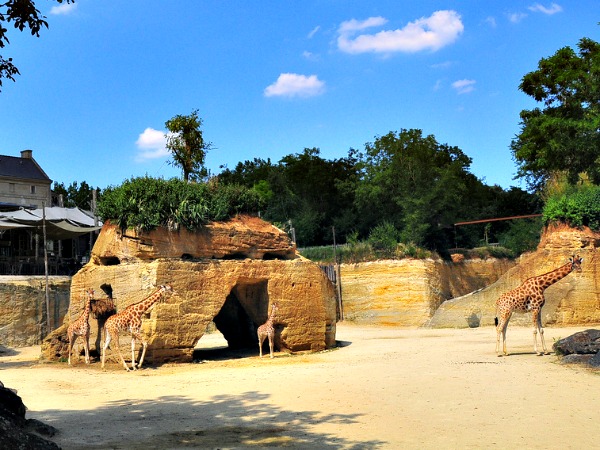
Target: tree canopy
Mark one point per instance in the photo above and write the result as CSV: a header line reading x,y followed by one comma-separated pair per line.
x,y
564,136
23,15
404,186
187,145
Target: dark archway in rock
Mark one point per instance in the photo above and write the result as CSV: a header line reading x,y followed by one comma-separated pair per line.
x,y
242,313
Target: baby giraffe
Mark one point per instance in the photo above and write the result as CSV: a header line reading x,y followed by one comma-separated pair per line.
x,y
267,330
81,327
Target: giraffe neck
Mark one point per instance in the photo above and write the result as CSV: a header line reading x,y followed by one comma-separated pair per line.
x,y
271,317
88,305
550,278
144,305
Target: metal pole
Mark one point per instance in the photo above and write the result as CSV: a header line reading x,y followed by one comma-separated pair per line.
x,y
48,327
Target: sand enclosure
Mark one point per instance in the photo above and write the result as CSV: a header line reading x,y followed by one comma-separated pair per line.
x,y
382,388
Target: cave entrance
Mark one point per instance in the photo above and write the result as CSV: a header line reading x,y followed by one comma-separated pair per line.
x,y
236,322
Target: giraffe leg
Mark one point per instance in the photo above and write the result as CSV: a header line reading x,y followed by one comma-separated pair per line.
x,y
501,332
86,346
71,342
119,352
144,347
133,352
271,346
106,343
261,339
537,326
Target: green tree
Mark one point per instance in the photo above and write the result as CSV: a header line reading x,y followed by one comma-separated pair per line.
x,y
414,183
564,136
22,14
187,145
75,195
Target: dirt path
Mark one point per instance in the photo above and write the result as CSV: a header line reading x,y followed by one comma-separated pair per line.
x,y
384,388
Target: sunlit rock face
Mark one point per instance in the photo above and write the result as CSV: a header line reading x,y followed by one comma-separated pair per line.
x,y
407,292
574,300
229,273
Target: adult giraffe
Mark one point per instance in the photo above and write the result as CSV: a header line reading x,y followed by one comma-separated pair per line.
x,y
530,297
131,319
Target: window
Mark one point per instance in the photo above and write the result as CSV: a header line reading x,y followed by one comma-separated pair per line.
x,y
33,189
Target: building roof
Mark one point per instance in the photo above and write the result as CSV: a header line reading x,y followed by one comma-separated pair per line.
x,y
22,168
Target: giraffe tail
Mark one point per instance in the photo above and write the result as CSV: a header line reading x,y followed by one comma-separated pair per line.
x,y
496,321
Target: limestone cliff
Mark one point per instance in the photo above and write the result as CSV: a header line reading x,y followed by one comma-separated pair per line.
x,y
574,300
407,292
228,272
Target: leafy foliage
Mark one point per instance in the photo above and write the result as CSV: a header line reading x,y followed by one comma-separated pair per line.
x,y
23,14
145,203
75,194
564,136
578,207
187,146
404,188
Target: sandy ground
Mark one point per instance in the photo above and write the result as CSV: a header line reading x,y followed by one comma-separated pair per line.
x,y
382,388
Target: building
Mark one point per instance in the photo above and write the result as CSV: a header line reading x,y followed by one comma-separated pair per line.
x,y
23,183
28,220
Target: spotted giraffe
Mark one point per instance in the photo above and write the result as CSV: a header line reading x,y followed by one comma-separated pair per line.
x,y
530,297
131,319
81,327
267,330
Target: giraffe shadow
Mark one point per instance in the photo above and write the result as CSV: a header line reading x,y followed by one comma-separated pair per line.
x,y
246,420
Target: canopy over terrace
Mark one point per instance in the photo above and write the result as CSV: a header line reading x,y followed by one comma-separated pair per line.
x,y
22,232
61,223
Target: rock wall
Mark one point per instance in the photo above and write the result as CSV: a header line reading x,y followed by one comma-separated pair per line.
x,y
23,308
228,273
407,292
574,300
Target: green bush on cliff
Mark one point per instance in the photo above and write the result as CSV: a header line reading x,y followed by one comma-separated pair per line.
x,y
146,203
577,207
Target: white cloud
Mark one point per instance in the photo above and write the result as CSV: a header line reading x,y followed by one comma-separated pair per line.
x,y
440,29
464,86
491,21
294,85
516,17
553,9
314,31
63,9
151,144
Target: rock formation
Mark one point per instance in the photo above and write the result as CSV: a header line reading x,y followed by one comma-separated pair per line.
x,y
407,292
228,273
17,432
23,307
574,300
580,348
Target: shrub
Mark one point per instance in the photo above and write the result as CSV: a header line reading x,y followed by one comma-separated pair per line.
x,y
578,207
145,203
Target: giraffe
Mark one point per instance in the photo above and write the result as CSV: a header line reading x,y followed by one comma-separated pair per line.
x,y
267,330
131,319
530,297
81,327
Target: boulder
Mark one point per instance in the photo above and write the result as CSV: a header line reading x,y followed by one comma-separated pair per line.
x,y
17,432
584,342
227,273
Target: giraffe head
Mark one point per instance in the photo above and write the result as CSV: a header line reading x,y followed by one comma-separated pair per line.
x,y
165,289
575,261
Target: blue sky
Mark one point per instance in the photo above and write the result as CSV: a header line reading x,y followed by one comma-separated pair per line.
x,y
270,78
